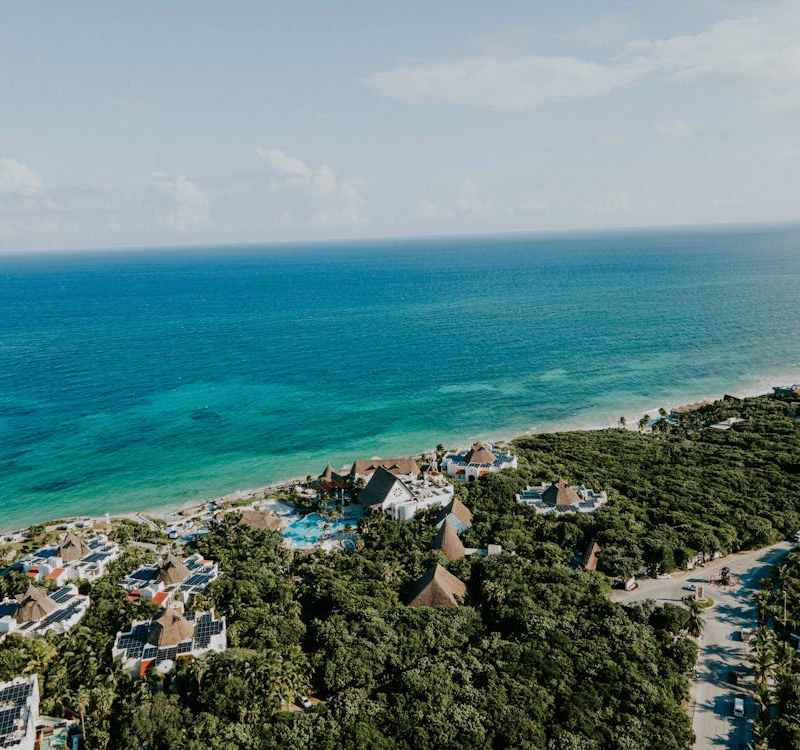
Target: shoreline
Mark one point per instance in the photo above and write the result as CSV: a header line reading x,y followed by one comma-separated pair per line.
x,y
756,387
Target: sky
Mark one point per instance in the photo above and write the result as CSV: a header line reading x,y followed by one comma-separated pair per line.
x,y
152,123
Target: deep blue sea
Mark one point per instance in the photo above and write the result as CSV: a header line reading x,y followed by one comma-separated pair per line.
x,y
141,379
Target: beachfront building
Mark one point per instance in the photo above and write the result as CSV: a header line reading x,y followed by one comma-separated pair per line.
x,y
71,559
261,520
480,459
405,468
19,713
681,411
787,391
37,612
457,514
161,642
172,579
559,497
438,587
402,498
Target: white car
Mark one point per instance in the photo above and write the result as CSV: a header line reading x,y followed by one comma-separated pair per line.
x,y
690,587
738,707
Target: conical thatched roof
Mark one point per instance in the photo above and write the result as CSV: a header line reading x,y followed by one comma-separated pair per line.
x,y
561,494
400,466
257,519
459,510
34,605
173,570
437,588
72,548
448,543
170,629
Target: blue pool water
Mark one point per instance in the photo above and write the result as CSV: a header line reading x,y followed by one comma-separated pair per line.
x,y
134,380
313,528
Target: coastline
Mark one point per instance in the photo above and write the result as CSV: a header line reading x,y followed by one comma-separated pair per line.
x,y
632,412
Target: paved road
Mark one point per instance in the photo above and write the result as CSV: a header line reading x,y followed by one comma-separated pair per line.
x,y
714,725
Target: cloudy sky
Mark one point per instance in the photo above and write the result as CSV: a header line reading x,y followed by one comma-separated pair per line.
x,y
155,123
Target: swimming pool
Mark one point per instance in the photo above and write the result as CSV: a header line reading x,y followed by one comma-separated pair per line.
x,y
310,530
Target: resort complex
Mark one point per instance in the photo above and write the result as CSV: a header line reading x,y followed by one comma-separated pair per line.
x,y
480,459
71,559
38,612
172,579
174,635
560,497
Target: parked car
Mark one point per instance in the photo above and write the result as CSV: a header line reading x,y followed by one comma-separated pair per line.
x,y
738,707
690,587
733,677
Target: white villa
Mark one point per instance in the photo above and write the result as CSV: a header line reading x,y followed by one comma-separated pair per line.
x,y
19,713
161,642
402,499
36,612
559,497
480,459
71,559
173,579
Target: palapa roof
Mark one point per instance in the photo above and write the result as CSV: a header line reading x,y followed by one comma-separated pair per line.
x,y
257,519
438,588
379,487
394,465
329,475
72,548
34,605
173,570
458,509
480,453
448,543
170,629
561,494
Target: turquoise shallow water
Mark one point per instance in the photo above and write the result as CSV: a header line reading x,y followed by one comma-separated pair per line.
x,y
144,379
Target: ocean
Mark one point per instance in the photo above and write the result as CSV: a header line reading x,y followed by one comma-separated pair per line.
x,y
134,380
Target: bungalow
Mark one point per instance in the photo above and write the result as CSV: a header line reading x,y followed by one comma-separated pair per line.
x,y
590,557
438,587
263,521
19,713
787,391
448,543
559,497
457,514
73,558
726,424
403,498
172,579
172,636
480,459
36,612
681,411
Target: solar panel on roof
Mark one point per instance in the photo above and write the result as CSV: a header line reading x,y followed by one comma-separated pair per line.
x,y
150,652
16,694
95,557
62,595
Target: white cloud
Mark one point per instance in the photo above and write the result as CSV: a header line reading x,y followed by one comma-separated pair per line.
x,y
516,84
187,205
760,52
335,200
674,128
18,180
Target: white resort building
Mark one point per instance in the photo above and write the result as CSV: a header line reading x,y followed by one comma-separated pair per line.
x,y
559,497
402,498
173,579
480,459
73,558
19,712
36,612
161,642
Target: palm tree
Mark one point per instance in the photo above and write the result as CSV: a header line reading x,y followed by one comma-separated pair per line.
x,y
695,620
643,422
622,423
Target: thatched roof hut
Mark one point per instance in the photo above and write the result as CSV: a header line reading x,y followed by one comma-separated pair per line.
x,y
34,605
72,548
447,542
173,570
170,629
438,588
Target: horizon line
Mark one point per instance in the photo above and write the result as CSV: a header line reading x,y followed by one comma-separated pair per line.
x,y
455,235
